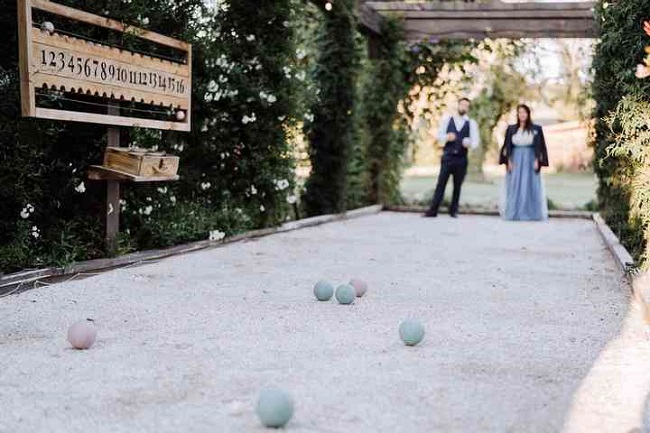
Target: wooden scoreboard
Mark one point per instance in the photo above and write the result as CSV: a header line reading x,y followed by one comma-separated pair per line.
x,y
62,61
71,77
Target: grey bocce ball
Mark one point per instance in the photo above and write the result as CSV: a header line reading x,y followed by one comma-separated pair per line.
x,y
274,408
47,27
345,294
323,290
411,332
360,286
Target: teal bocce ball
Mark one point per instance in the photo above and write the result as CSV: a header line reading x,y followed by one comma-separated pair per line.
x,y
323,290
274,408
345,294
411,332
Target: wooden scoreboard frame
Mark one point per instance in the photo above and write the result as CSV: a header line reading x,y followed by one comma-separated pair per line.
x,y
60,61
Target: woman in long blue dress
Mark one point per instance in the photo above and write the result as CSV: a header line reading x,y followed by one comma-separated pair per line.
x,y
524,154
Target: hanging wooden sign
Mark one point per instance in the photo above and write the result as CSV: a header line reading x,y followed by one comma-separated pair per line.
x,y
153,91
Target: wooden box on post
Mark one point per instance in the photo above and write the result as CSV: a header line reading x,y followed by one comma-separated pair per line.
x,y
140,162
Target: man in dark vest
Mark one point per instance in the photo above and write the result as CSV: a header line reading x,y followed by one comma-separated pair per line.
x,y
457,134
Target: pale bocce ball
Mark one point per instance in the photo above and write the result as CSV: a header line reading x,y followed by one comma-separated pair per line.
x,y
47,27
360,286
345,294
274,408
82,334
180,115
323,290
411,332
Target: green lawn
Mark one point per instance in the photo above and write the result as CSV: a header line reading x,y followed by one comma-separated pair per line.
x,y
566,191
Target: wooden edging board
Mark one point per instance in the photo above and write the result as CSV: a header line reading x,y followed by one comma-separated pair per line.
x,y
640,281
9,282
491,212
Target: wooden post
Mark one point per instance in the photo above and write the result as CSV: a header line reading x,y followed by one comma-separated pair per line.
x,y
112,207
27,93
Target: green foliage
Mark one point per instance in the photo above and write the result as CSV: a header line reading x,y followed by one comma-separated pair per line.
x,y
502,89
425,61
236,165
629,126
332,131
385,86
619,125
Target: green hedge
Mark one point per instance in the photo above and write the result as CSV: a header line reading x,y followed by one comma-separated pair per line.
x,y
385,85
620,98
331,132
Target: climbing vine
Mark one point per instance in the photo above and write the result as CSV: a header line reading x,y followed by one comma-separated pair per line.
x,y
620,140
331,132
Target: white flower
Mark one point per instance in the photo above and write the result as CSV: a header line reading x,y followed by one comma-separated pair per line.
x,y
249,119
216,235
287,71
162,190
271,99
253,190
281,184
147,210
205,185
262,208
35,232
250,38
27,211
291,199
81,188
309,117
301,75
172,199
300,53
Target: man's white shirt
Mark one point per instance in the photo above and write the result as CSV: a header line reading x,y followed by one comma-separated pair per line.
x,y
459,121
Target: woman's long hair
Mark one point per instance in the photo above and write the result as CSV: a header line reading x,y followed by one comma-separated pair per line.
x,y
529,121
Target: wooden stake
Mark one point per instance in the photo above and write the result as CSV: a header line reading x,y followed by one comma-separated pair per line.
x,y
112,207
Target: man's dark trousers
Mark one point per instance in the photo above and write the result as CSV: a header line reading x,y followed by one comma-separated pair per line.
x,y
452,165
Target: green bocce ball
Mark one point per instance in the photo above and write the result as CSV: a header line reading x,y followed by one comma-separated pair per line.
x,y
345,294
323,290
274,408
411,332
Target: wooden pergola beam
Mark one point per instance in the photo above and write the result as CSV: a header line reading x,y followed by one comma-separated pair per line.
x,y
478,20
460,20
